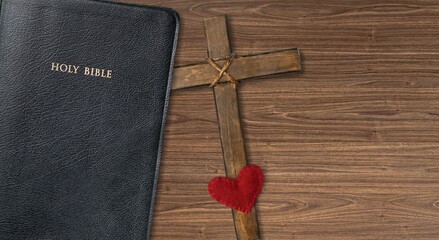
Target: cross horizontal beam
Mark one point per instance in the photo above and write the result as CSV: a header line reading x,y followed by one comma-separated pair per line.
x,y
243,67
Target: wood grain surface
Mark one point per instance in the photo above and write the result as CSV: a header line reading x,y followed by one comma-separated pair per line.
x,y
349,147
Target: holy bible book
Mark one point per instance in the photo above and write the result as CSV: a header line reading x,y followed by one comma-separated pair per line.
x,y
84,88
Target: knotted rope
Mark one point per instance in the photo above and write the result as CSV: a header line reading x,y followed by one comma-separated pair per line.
x,y
222,71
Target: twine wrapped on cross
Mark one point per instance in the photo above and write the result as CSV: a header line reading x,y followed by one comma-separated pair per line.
x,y
222,71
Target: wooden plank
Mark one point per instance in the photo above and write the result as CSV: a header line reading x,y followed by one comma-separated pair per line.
x,y
227,108
243,67
217,37
233,149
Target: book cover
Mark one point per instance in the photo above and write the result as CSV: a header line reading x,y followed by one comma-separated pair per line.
x,y
84,89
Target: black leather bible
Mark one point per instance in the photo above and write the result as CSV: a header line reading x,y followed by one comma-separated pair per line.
x,y
84,89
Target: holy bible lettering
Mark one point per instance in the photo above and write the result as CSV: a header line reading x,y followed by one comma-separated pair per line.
x,y
86,71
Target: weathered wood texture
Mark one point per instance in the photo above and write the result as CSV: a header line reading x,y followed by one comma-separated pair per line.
x,y
229,122
243,68
349,147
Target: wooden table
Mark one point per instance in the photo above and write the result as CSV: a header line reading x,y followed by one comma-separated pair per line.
x,y
350,147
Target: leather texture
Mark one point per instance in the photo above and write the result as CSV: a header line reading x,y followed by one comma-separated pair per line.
x,y
79,155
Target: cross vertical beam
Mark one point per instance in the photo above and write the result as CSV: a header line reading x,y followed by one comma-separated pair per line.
x,y
226,98
227,108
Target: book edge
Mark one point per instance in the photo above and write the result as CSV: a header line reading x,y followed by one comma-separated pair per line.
x,y
164,118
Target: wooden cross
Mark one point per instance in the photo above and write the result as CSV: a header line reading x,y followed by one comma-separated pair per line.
x,y
227,71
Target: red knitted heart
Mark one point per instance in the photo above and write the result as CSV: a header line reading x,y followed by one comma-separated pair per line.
x,y
239,194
